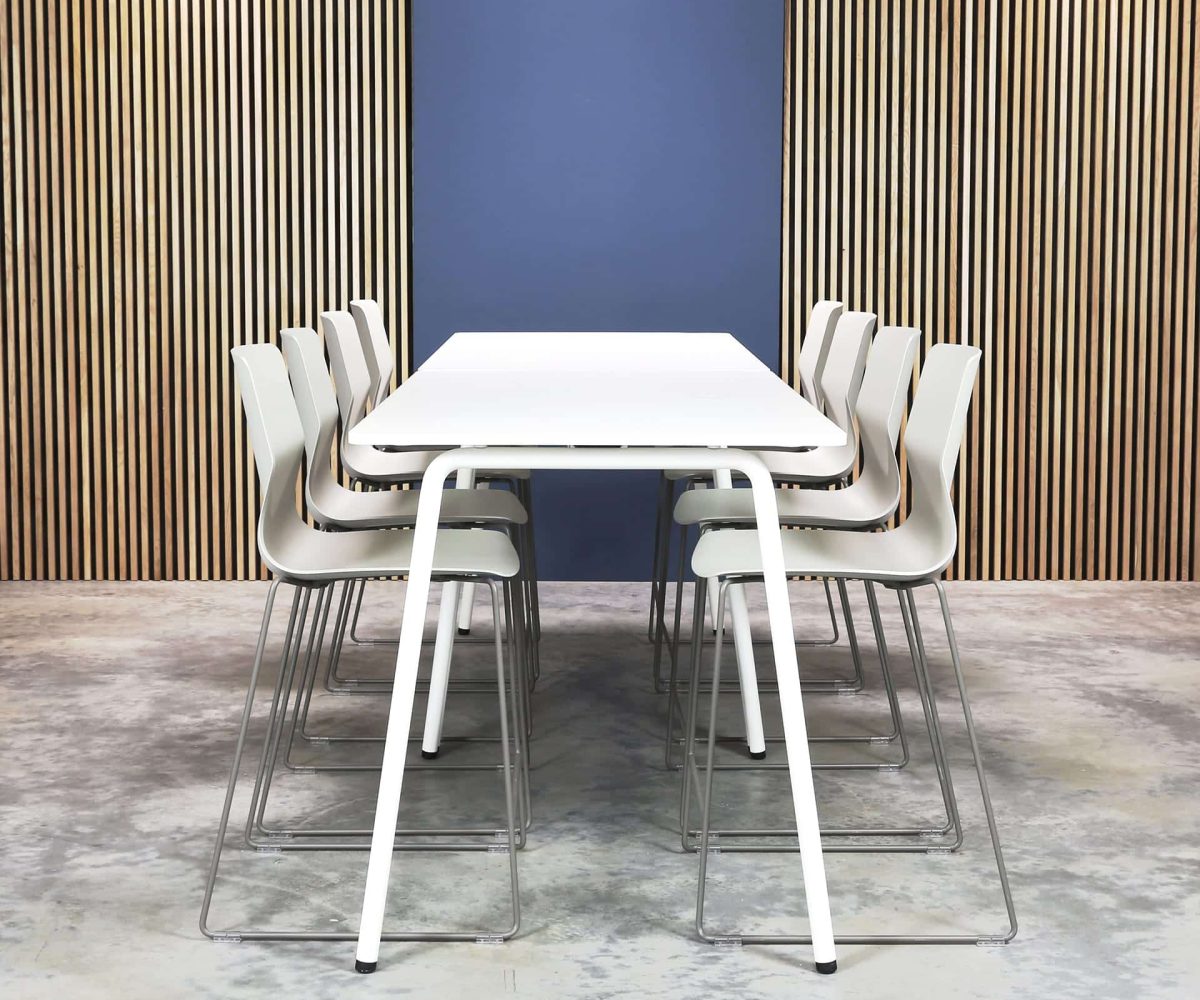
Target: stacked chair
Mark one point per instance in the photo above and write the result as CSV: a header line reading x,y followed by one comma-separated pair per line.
x,y
841,535
360,355
377,349
334,507
360,360
810,365
867,503
292,415
833,373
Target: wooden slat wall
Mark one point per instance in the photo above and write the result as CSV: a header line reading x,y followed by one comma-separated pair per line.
x,y
178,177
1024,177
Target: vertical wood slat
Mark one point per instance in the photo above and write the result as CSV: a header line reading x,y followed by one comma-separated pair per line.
x,y
1023,177
178,177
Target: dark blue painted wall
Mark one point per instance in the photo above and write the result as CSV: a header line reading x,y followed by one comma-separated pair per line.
x,y
597,165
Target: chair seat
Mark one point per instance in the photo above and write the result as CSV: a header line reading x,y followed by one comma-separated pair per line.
x,y
818,465
374,465
815,466
898,556
851,507
488,475
343,508
313,556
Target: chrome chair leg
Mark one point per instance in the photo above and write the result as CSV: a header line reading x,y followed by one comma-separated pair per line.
x,y
660,566
510,773
519,671
889,685
308,679
525,495
835,685
281,838
908,608
432,738
222,826
277,717
977,760
291,651
335,683
916,648
511,832
355,638
706,793
339,635
689,771
523,490
662,547
659,634
302,733
833,639
529,599
511,835
895,734
310,682
856,683
673,706
924,833
363,686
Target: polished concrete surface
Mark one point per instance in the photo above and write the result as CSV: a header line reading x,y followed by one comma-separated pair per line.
x,y
118,707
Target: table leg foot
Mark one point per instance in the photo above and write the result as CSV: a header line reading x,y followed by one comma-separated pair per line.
x,y
825,968
463,631
431,754
761,755
366,967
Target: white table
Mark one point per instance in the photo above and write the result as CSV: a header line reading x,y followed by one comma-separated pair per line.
x,y
658,401
574,351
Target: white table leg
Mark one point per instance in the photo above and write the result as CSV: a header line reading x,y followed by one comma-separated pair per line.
x,y
743,644
795,731
408,658
439,679
443,647
466,607
466,601
391,775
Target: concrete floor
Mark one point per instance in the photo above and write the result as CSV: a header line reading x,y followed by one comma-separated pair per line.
x,y
118,704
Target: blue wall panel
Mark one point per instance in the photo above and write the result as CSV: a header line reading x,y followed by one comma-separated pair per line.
x,y
604,165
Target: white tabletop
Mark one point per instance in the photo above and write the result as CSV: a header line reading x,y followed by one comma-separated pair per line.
x,y
654,390
589,351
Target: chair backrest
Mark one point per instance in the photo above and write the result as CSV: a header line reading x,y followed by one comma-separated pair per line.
x,y
318,409
814,349
277,437
350,373
843,372
881,402
936,425
377,349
